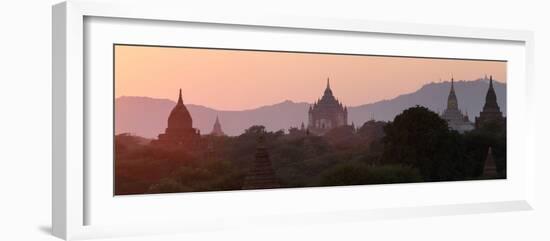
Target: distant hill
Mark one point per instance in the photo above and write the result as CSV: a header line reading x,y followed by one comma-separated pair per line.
x,y
147,117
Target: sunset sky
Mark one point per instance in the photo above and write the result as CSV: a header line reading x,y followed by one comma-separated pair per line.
x,y
237,80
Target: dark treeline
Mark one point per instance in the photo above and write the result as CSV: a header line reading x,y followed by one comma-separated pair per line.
x,y
417,146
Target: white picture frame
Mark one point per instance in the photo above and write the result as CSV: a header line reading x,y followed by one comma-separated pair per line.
x,y
73,109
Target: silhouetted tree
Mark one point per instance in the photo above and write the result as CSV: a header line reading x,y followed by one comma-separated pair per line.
x,y
342,137
254,130
420,138
416,146
294,132
372,130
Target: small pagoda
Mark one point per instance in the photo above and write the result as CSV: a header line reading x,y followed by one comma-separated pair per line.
x,y
261,175
490,167
217,129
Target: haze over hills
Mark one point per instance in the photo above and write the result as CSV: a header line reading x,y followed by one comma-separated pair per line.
x,y
144,116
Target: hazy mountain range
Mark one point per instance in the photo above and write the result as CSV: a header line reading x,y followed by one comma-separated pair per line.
x,y
144,116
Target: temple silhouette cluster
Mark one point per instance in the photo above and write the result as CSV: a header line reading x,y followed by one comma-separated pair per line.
x,y
459,121
325,114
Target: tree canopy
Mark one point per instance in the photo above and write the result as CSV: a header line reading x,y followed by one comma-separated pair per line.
x,y
420,138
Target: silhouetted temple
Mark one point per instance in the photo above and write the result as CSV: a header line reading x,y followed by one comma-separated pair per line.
x,y
490,168
180,131
217,129
453,115
326,113
491,111
261,175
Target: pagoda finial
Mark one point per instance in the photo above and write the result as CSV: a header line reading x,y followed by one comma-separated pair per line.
x,y
452,102
328,91
180,100
491,81
452,83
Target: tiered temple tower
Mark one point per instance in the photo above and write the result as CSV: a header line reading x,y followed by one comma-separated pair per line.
x,y
453,115
491,111
217,129
327,113
180,131
261,175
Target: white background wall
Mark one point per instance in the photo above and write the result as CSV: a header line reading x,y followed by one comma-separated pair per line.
x,y
25,129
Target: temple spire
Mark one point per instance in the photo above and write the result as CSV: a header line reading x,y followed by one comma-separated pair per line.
x,y
452,84
328,91
217,129
180,100
452,102
491,111
491,98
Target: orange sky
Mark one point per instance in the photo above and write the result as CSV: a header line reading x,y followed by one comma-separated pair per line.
x,y
236,80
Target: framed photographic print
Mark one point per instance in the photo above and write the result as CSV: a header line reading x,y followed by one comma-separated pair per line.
x,y
173,112
267,119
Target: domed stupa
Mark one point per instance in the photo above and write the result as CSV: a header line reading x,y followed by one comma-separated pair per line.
x,y
180,129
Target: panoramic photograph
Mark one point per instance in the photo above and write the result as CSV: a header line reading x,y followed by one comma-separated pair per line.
x,y
203,119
